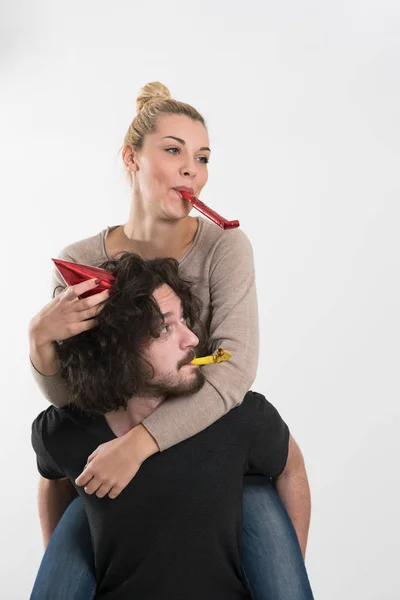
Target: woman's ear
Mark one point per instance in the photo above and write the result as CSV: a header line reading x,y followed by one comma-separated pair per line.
x,y
129,156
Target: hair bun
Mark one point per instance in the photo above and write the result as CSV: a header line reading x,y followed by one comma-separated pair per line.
x,y
152,92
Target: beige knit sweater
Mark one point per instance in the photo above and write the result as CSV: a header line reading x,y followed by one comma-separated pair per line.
x,y
220,265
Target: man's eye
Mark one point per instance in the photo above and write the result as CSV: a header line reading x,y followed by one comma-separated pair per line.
x,y
164,329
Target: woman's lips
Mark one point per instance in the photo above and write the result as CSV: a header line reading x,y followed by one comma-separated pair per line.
x,y
182,188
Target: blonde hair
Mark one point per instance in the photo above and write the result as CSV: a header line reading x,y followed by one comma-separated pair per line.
x,y
154,100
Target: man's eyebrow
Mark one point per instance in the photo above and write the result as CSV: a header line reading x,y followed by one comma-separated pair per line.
x,y
183,142
171,313
167,315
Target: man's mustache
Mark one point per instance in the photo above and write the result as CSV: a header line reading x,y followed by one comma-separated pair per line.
x,y
187,359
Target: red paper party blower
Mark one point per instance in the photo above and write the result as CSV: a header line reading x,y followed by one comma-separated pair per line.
x,y
209,212
74,273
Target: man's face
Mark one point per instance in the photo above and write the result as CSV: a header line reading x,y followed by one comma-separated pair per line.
x,y
171,353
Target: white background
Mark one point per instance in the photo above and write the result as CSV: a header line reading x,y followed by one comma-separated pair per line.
x,y
302,102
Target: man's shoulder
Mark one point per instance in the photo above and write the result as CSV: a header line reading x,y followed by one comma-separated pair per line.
x,y
51,422
254,404
254,413
242,425
63,438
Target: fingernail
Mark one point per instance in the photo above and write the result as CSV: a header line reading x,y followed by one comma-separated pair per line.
x,y
97,281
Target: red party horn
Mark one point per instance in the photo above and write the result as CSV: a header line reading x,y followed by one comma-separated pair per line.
x,y
74,273
208,212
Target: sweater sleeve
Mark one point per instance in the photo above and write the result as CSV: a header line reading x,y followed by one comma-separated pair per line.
x,y
234,327
53,387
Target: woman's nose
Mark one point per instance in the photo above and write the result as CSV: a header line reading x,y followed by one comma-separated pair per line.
x,y
188,170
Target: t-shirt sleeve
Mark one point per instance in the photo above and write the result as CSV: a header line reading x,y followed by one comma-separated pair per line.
x,y
269,442
46,465
233,326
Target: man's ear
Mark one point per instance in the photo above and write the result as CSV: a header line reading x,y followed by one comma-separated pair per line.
x,y
129,156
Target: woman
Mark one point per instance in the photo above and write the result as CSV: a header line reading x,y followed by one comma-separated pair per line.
x,y
166,151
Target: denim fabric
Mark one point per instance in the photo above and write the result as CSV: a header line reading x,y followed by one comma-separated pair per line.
x,y
272,562
67,568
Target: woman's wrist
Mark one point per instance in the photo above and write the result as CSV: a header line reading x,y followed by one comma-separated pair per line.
x,y
144,442
43,352
37,336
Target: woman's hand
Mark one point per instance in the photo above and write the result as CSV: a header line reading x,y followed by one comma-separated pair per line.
x,y
114,464
65,316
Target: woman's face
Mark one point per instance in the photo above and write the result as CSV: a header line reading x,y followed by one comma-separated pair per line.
x,y
175,155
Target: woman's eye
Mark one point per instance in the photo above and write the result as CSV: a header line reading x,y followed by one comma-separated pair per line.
x,y
175,150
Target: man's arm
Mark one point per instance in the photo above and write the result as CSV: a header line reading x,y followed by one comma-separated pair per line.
x,y
54,497
294,491
55,491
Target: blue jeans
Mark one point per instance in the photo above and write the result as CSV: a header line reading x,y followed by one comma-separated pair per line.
x,y
273,567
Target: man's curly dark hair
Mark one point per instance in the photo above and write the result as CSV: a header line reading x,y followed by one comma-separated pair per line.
x,y
104,367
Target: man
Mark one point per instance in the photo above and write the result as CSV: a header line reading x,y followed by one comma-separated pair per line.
x,y
175,530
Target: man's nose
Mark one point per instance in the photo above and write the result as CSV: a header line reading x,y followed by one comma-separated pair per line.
x,y
190,340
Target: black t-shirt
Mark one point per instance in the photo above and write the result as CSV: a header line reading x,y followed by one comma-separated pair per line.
x,y
175,531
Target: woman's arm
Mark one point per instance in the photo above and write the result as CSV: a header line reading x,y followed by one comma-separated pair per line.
x,y
233,326
66,315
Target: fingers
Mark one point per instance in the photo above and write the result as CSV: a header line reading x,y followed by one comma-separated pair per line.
x,y
102,490
93,485
115,491
80,314
80,288
72,293
75,328
90,312
84,478
91,302
86,325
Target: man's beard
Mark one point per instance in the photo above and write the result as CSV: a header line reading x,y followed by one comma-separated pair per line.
x,y
170,387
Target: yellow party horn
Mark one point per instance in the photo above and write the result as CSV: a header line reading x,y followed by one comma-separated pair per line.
x,y
219,356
